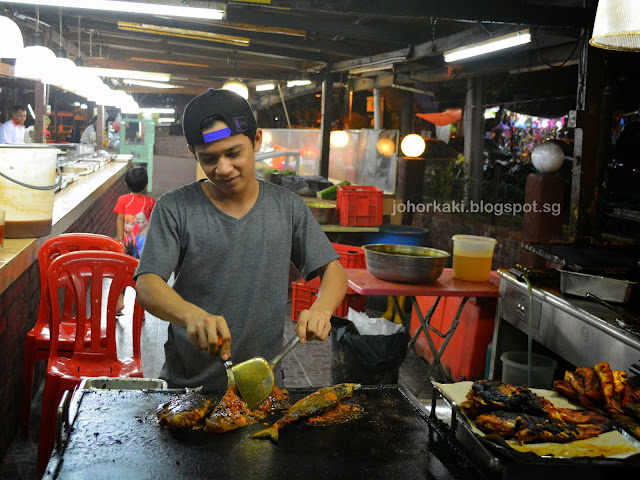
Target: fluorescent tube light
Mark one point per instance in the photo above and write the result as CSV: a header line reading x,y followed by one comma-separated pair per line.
x,y
133,7
166,120
131,74
298,83
488,46
367,69
263,87
144,83
170,111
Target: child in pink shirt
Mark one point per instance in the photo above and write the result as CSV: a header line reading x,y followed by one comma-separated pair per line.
x,y
134,210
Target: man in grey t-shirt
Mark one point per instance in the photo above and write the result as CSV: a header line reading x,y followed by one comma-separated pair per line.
x,y
229,240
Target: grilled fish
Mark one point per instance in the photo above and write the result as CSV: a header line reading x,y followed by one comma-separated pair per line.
x,y
532,428
490,395
312,405
233,412
186,411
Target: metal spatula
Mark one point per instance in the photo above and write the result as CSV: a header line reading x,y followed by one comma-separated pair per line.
x,y
254,377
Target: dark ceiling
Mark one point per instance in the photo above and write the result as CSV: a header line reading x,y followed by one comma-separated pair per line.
x,y
296,39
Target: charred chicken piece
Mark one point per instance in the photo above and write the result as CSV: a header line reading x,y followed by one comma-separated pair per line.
x,y
589,380
532,428
233,412
186,411
606,379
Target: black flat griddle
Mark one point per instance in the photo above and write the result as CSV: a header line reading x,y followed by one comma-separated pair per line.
x,y
115,435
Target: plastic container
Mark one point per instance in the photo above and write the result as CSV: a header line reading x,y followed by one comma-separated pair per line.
x,y
515,369
359,205
27,186
472,257
399,235
304,294
350,256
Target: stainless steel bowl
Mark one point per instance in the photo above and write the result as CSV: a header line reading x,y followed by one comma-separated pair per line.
x,y
405,263
324,213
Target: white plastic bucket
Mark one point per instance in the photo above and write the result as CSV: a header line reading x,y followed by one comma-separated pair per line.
x,y
27,185
515,369
472,257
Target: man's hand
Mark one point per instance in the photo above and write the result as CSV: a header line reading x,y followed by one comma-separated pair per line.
x,y
314,324
208,332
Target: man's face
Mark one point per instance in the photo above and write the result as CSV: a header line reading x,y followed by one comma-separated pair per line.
x,y
19,117
230,163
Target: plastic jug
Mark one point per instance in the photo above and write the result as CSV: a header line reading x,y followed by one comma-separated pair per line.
x,y
27,184
472,257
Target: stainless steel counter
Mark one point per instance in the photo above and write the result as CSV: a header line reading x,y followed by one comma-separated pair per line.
x,y
576,330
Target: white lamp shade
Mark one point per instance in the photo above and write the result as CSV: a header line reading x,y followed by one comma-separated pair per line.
x,y
34,62
237,86
386,147
617,25
412,145
338,138
11,42
547,157
63,74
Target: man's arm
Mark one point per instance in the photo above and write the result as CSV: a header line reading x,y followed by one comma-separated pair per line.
x,y
162,301
316,322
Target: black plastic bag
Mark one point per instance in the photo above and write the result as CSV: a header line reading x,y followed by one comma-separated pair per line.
x,y
368,359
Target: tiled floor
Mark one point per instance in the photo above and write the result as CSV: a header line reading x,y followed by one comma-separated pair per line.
x,y
306,366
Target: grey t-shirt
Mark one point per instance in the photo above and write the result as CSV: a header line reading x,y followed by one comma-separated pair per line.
x,y
237,268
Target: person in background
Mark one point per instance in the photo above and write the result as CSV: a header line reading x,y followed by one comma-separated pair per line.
x,y
91,128
132,208
229,241
12,131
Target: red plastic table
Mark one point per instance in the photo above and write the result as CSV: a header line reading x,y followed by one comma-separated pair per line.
x,y
364,283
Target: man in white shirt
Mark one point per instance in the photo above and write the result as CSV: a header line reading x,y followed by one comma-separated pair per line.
x,y
12,131
91,128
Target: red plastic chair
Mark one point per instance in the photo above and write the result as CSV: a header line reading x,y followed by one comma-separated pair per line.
x,y
38,341
93,355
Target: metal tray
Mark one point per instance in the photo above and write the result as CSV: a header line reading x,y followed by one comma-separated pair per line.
x,y
605,288
501,462
124,383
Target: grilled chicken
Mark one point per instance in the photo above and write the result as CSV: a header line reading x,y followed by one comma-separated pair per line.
x,y
317,403
531,428
606,378
186,411
233,412
613,397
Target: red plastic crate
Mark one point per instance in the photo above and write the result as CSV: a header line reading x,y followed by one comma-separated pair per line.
x,y
359,205
305,294
350,256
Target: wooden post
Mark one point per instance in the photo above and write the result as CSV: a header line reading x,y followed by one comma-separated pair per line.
x,y
325,126
40,111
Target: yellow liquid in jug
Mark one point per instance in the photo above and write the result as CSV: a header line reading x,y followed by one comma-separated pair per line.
x,y
473,269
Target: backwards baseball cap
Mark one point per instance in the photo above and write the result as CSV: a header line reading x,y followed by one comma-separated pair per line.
x,y
231,107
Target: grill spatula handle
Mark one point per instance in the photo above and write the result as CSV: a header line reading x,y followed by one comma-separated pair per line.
x,y
288,347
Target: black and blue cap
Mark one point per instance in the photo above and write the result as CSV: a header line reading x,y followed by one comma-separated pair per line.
x,y
231,107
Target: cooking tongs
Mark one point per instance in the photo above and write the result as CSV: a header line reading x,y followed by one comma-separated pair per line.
x,y
624,320
254,377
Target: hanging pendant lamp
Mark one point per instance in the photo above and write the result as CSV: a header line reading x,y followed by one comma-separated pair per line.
x,y
11,42
617,25
237,86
